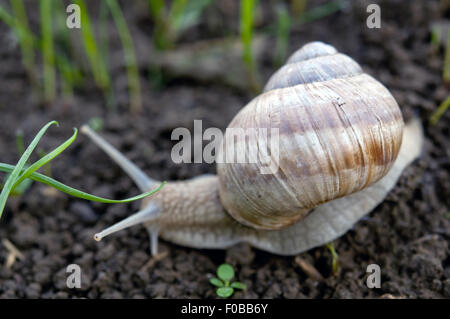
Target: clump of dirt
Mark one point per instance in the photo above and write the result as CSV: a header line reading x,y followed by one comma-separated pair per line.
x,y
408,235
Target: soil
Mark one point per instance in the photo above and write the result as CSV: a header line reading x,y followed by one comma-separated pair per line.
x,y
408,235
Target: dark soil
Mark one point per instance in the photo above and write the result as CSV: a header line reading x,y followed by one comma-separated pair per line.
x,y
408,235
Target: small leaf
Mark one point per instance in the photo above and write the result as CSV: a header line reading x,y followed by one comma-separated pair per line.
x,y
46,159
225,292
15,172
77,193
238,285
225,272
216,282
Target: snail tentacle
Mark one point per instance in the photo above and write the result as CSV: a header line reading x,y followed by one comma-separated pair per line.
x,y
147,214
137,175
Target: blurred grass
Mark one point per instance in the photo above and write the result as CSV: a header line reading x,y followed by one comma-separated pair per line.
x,y
283,29
103,32
60,56
319,12
169,24
298,7
70,73
246,29
47,50
436,116
98,66
25,40
446,72
130,57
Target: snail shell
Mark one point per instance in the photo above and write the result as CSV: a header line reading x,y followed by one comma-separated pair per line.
x,y
340,131
342,147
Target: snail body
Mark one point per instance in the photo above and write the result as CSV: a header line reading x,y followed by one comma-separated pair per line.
x,y
339,152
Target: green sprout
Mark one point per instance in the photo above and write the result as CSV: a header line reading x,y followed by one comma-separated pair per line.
x,y
246,29
435,37
283,29
225,289
47,50
25,38
446,72
298,7
130,56
26,184
334,259
436,116
169,24
29,43
98,67
21,172
319,12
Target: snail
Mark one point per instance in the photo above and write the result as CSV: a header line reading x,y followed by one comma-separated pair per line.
x,y
342,147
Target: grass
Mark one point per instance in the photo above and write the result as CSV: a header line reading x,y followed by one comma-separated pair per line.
x,y
58,51
169,24
97,64
48,51
246,29
319,12
298,7
130,57
25,39
103,32
436,116
70,74
225,274
435,37
283,28
446,72
20,173
436,43
334,259
29,44
25,185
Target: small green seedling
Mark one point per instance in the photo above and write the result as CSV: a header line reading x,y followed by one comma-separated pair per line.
x,y
334,259
436,116
226,288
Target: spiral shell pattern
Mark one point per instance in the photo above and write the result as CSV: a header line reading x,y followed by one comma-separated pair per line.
x,y
338,131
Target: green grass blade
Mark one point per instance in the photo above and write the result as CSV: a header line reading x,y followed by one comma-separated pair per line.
x,y
7,18
298,7
283,28
46,159
25,38
97,64
320,12
191,14
446,72
130,57
247,9
176,14
435,117
6,168
158,12
246,28
20,165
103,32
47,50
